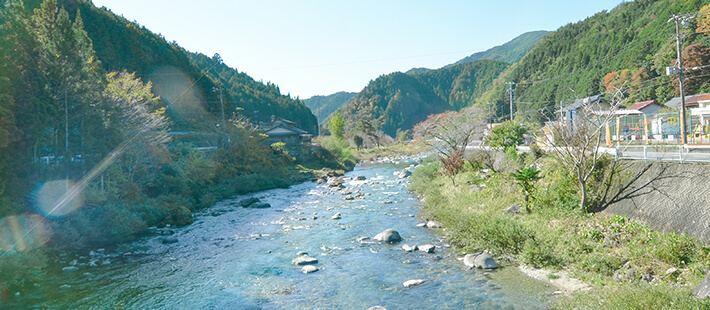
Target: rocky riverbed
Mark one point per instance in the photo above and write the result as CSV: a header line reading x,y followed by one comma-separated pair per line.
x,y
347,242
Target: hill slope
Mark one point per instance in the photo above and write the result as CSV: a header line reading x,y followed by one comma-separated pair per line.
x,y
324,106
124,45
398,101
510,52
628,48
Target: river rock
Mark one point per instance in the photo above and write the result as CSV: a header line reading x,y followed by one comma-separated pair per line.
x,y
168,240
246,203
304,260
377,308
260,205
427,248
336,216
349,197
403,174
335,181
702,291
309,269
485,261
321,181
360,178
408,248
433,224
412,283
389,236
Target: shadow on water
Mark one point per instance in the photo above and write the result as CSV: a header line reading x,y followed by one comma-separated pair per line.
x,y
240,258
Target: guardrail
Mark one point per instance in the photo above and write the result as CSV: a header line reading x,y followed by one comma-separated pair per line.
x,y
666,153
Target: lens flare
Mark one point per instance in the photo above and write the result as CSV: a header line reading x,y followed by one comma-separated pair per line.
x,y
57,198
23,232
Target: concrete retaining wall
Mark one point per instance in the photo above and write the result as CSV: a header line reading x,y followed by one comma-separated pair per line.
x,y
667,197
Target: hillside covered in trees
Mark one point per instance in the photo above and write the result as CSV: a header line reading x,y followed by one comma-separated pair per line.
x,y
107,129
324,106
398,101
627,49
510,52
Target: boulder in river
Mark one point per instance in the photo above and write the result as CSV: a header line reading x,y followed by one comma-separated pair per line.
x,y
309,269
246,203
168,240
481,260
360,178
433,224
389,236
403,174
408,248
335,181
260,205
414,282
304,260
377,308
427,248
336,216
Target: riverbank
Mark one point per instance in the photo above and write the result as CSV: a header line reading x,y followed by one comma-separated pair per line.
x,y
626,265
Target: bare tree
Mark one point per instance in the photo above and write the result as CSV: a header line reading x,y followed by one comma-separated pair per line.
x,y
576,142
449,133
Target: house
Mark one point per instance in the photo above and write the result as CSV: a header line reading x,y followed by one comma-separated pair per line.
x,y
644,107
282,130
690,101
584,107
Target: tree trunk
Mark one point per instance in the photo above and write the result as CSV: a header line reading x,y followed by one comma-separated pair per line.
x,y
583,200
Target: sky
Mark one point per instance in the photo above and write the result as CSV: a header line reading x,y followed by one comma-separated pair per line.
x,y
310,47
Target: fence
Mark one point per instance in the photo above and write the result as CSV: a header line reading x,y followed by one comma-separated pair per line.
x,y
657,128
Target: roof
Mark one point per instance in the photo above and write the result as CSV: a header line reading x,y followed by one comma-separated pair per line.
x,y
582,102
689,100
282,127
642,104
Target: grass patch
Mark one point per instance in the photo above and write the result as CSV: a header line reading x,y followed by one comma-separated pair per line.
x,y
611,253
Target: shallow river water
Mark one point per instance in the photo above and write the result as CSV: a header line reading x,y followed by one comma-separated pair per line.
x,y
239,258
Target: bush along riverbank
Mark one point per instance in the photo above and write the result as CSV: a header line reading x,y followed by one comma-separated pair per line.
x,y
625,265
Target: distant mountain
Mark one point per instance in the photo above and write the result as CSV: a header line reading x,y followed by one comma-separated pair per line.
x,y
324,106
510,52
398,101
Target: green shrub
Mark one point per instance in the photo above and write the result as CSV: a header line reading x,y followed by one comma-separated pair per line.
x,y
629,297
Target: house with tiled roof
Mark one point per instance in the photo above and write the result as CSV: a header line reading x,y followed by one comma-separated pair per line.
x,y
283,130
691,101
644,107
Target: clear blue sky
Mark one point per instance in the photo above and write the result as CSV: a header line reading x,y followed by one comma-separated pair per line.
x,y
310,47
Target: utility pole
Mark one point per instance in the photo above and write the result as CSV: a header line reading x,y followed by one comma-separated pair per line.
x,y
221,104
510,91
680,19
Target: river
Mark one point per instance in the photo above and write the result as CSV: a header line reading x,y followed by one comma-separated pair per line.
x,y
241,258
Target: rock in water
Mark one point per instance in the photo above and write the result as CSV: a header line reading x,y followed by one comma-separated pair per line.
x,y
337,216
304,260
360,178
432,224
485,261
702,291
389,236
168,240
309,269
377,308
427,248
246,203
412,283
468,260
408,248
262,205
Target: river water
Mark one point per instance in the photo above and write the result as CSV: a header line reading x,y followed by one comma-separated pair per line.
x,y
239,258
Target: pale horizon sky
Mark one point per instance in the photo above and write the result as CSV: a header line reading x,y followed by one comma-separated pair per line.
x,y
314,47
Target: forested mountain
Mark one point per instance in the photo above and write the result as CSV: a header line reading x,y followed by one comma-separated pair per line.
x,y
124,45
90,108
627,48
510,52
398,101
324,106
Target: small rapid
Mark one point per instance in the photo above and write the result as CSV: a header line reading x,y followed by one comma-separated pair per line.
x,y
241,258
